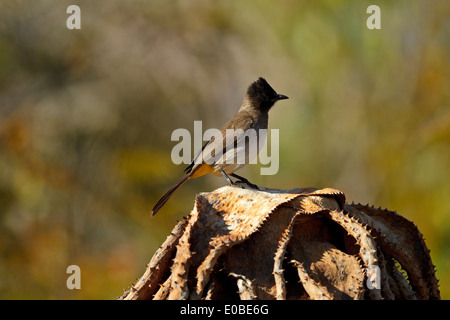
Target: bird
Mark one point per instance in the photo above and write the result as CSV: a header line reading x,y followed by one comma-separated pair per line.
x,y
252,115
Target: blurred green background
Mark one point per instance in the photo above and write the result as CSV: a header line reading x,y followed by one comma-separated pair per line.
x,y
86,118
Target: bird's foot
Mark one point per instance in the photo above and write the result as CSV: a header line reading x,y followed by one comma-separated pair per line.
x,y
251,185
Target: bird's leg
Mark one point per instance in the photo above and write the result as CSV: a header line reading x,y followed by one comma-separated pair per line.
x,y
242,179
227,177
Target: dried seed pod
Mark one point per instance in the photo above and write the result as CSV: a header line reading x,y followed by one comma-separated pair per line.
x,y
288,244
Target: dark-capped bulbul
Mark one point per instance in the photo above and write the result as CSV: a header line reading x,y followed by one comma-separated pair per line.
x,y
253,115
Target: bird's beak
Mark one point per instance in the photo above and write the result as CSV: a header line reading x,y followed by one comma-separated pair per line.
x,y
281,97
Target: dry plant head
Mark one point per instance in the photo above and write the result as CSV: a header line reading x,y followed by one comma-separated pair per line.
x,y
288,244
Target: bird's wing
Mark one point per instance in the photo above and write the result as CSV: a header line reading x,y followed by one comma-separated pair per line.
x,y
228,139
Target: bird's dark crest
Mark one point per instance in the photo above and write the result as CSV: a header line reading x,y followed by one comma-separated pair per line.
x,y
262,90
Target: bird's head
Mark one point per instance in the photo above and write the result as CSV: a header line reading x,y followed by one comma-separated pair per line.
x,y
262,95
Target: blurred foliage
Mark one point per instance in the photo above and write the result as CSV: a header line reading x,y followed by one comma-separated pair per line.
x,y
86,118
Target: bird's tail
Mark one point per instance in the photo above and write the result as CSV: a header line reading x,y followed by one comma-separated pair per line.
x,y
168,194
